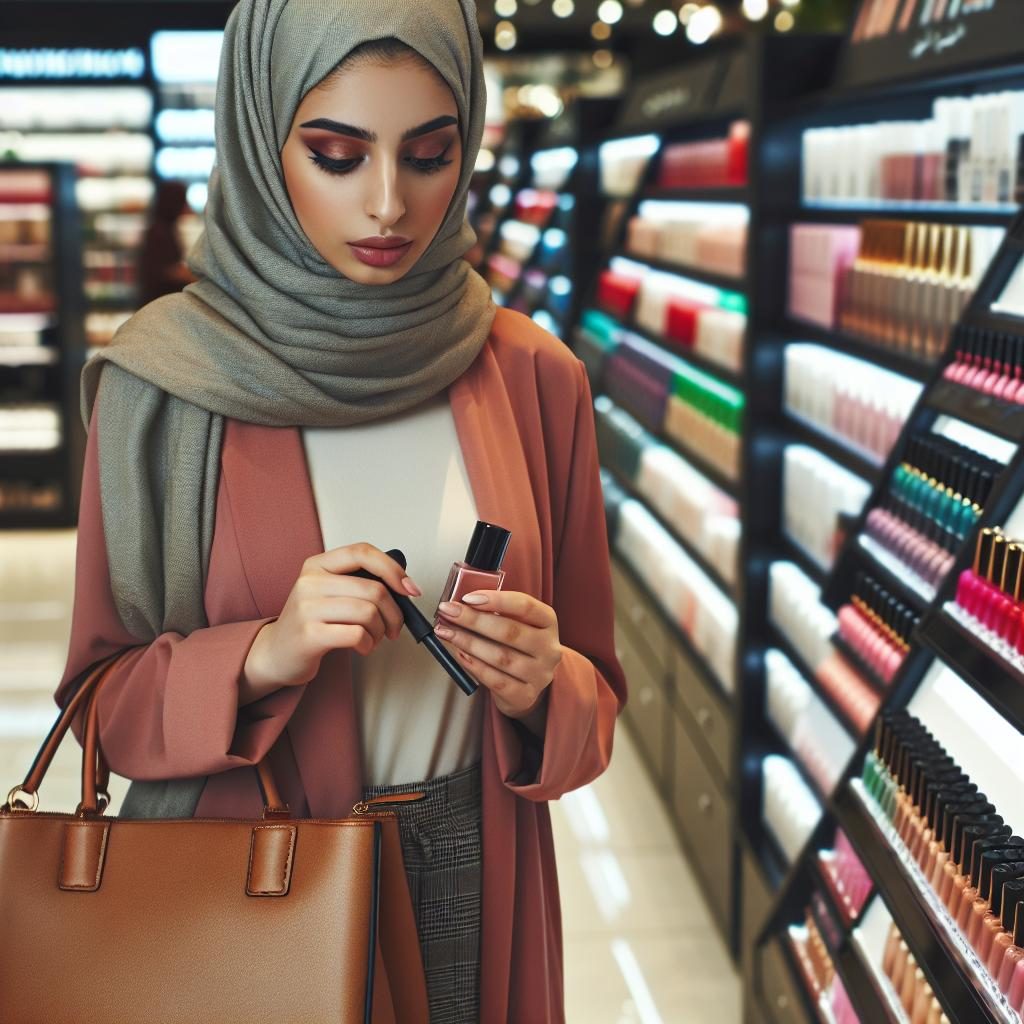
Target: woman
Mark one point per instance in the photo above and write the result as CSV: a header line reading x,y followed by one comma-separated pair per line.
x,y
337,381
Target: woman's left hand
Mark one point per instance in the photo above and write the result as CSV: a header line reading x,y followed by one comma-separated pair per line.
x,y
513,653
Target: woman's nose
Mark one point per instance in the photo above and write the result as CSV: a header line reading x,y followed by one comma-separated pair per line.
x,y
384,202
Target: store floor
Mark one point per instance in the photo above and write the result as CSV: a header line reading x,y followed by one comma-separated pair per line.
x,y
639,944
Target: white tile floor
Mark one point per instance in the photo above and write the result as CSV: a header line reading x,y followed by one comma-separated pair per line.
x,y
640,946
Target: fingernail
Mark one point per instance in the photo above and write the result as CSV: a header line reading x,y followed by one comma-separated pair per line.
x,y
411,587
444,632
449,608
475,599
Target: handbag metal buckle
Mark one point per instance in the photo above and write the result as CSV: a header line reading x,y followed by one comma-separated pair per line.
x,y
16,797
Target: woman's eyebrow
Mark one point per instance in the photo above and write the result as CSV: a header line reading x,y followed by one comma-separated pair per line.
x,y
342,129
430,126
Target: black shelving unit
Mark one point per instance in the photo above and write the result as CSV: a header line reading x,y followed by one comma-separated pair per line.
x,y
55,471
858,96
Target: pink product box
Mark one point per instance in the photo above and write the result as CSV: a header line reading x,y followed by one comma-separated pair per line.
x,y
722,248
642,237
820,255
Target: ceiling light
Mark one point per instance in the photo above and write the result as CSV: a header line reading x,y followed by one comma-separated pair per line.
x,y
704,24
505,37
784,21
686,12
600,30
755,10
505,8
562,8
610,11
665,23
603,58
790,3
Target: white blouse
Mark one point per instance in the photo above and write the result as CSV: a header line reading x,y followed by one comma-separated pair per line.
x,y
400,482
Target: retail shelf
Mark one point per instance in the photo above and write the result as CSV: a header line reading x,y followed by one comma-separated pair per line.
x,y
837,449
778,639
828,886
763,847
706,567
933,212
796,552
899,582
917,912
802,980
725,194
1004,419
878,355
732,377
1000,683
785,748
724,282
697,660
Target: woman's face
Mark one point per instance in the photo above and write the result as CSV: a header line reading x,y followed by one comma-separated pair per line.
x,y
371,164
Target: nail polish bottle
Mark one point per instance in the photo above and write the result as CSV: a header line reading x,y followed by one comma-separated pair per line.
x,y
989,903
481,569
1013,896
1002,875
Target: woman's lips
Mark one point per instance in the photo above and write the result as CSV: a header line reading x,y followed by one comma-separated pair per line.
x,y
380,252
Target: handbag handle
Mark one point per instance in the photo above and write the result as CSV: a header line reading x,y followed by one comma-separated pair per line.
x,y
95,770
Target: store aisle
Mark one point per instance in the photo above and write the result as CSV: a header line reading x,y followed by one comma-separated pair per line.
x,y
640,946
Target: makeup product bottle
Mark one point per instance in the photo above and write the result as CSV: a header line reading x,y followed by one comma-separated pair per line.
x,y
481,569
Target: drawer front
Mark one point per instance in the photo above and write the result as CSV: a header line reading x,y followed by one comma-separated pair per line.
x,y
633,608
781,999
647,711
712,720
702,813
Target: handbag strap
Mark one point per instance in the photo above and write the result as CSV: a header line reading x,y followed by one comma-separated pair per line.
x,y
95,770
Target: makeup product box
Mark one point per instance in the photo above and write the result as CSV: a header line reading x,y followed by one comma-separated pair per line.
x,y
820,256
789,808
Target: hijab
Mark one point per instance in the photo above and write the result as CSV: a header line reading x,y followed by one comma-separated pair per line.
x,y
271,333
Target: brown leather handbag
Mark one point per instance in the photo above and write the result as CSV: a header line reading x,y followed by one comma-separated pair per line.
x,y
281,920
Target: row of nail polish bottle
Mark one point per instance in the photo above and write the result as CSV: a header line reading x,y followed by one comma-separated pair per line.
x,y
991,362
988,595
877,626
908,981
961,844
849,880
935,497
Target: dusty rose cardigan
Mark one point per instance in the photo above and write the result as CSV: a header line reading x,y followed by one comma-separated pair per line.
x,y
525,424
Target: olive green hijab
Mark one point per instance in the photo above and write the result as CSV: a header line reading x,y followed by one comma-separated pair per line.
x,y
271,333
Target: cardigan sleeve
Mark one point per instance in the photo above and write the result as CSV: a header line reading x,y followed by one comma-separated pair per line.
x,y
589,688
170,708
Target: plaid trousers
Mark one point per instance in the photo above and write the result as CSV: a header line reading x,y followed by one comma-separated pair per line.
x,y
441,844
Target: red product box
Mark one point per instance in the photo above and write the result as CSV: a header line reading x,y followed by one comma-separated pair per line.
x,y
681,320
617,292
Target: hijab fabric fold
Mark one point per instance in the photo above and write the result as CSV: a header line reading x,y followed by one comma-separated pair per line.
x,y
270,333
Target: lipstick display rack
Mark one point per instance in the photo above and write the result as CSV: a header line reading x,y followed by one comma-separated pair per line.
x,y
41,346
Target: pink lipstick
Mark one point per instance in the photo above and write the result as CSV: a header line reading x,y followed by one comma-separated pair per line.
x,y
379,251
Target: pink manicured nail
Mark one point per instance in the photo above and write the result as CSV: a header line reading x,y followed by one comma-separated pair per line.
x,y
444,632
475,599
411,587
449,608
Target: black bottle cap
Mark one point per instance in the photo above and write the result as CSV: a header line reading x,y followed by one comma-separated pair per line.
x,y
487,546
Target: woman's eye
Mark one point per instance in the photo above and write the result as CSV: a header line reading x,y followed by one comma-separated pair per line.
x,y
428,165
332,166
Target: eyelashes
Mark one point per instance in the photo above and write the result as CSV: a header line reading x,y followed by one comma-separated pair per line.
x,y
429,165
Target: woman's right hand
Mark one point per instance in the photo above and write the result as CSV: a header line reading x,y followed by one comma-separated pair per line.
x,y
327,609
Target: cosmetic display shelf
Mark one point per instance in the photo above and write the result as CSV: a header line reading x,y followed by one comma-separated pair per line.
x,y
862,667
936,213
827,885
836,448
733,377
891,573
697,660
41,464
908,366
795,552
725,194
777,638
944,958
724,282
802,982
862,987
763,847
1004,419
990,676
782,746
706,567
